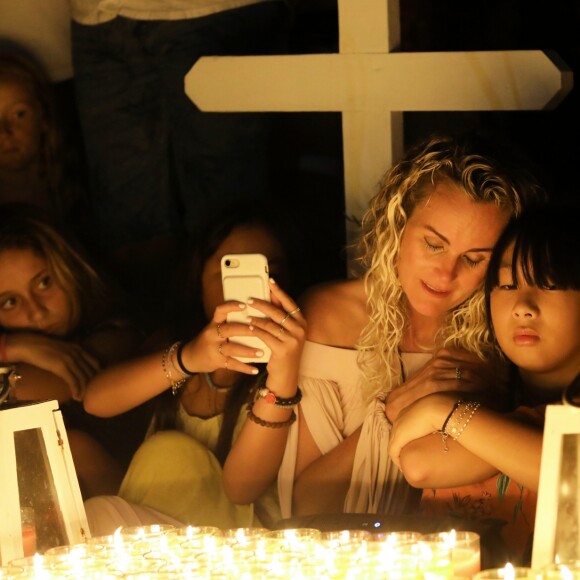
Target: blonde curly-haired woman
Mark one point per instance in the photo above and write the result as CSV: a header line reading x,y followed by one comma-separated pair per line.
x,y
413,324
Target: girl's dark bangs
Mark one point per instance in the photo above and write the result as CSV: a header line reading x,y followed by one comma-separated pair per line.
x,y
544,261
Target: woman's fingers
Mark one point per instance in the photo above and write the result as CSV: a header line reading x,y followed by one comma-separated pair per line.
x,y
287,303
282,323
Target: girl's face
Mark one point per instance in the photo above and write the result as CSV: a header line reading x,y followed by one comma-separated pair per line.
x,y
538,329
21,127
242,240
30,297
445,249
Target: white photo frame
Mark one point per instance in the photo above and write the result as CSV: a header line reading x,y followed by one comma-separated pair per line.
x,y
557,531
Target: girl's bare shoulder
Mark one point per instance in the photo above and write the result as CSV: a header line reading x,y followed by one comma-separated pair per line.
x,y
336,312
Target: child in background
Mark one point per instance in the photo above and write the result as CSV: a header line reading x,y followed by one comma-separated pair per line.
x,y
35,165
177,470
533,300
61,325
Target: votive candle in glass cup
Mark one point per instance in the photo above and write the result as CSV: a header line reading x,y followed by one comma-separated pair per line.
x,y
465,551
290,535
70,559
508,572
401,562
242,536
33,566
187,533
436,559
151,533
345,537
567,570
294,542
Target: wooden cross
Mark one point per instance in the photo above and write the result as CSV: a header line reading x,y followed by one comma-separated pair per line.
x,y
372,85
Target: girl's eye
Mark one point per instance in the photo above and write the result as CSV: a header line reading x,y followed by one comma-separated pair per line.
x,y
20,114
44,282
549,287
508,286
8,304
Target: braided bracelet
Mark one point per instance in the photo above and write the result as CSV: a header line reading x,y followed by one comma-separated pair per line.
x,y
272,398
443,430
270,424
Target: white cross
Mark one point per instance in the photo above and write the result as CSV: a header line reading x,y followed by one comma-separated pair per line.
x,y
372,86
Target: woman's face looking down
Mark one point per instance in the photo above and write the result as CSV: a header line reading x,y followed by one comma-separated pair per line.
x,y
445,249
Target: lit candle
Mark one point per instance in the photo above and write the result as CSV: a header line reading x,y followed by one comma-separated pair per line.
x,y
508,572
465,551
560,571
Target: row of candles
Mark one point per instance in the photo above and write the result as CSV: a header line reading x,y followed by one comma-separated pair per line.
x,y
164,552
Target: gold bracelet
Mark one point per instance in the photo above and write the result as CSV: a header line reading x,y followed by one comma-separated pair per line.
x,y
173,366
166,356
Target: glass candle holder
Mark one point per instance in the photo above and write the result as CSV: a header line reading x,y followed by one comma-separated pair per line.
x,y
242,536
465,551
508,572
436,559
567,570
400,538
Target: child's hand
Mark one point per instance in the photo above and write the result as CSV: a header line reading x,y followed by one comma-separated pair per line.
x,y
211,349
65,359
425,416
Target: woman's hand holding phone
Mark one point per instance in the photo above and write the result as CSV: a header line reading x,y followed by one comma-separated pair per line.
x,y
280,327
258,322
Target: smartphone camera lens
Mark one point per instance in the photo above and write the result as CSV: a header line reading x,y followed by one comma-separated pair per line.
x,y
228,262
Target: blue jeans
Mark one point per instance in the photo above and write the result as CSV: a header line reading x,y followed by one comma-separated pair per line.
x,y
157,165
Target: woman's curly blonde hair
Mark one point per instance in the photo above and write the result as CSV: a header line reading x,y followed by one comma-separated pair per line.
x,y
460,160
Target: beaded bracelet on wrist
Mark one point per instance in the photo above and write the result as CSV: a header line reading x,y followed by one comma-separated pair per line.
x,y
270,424
271,397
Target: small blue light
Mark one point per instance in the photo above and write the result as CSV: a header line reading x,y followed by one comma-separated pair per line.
x,y
377,524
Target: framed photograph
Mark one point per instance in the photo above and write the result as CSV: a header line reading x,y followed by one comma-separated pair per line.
x,y
557,531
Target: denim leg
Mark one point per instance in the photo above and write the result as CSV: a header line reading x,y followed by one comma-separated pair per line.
x,y
125,132
152,154
220,158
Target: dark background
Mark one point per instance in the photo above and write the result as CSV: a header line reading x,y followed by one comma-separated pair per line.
x,y
307,147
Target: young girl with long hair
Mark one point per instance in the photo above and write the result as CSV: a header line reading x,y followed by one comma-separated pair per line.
x,y
62,322
178,469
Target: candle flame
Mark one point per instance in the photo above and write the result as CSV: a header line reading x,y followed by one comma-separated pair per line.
x,y
508,572
38,561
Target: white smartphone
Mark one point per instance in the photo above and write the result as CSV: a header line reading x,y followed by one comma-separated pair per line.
x,y
246,276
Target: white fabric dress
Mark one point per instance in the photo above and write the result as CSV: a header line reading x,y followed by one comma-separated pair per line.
x,y
333,409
